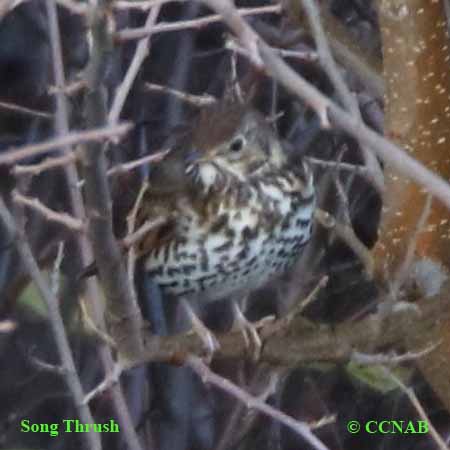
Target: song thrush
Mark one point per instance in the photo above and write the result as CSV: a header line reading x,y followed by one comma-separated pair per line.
x,y
239,209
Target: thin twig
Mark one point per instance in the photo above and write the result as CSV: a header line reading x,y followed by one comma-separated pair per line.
x,y
122,168
356,168
303,55
284,322
344,211
55,276
138,33
346,233
390,359
298,309
132,239
419,408
239,423
119,169
72,138
61,218
25,111
131,226
142,5
111,379
141,52
195,100
208,377
46,164
45,366
322,422
68,89
405,266
92,328
234,78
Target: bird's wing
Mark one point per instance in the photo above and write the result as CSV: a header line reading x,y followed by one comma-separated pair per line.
x,y
156,205
151,207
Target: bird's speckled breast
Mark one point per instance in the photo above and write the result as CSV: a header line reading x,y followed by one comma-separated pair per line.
x,y
254,233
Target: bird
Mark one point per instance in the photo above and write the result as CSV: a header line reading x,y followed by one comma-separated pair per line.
x,y
238,207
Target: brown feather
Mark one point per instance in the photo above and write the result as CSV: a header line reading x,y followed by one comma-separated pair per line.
x,y
217,123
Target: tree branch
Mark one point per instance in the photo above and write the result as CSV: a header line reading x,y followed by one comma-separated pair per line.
x,y
139,33
124,316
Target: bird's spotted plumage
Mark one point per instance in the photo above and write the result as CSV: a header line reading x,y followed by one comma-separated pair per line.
x,y
239,210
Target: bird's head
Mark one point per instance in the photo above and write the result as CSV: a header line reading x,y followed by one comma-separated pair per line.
x,y
235,140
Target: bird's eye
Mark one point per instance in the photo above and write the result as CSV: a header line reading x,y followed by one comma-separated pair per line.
x,y
237,144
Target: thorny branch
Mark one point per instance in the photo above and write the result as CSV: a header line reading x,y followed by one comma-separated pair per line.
x,y
69,139
123,313
123,168
62,218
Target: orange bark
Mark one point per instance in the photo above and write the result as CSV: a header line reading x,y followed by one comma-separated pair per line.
x,y
417,74
416,62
